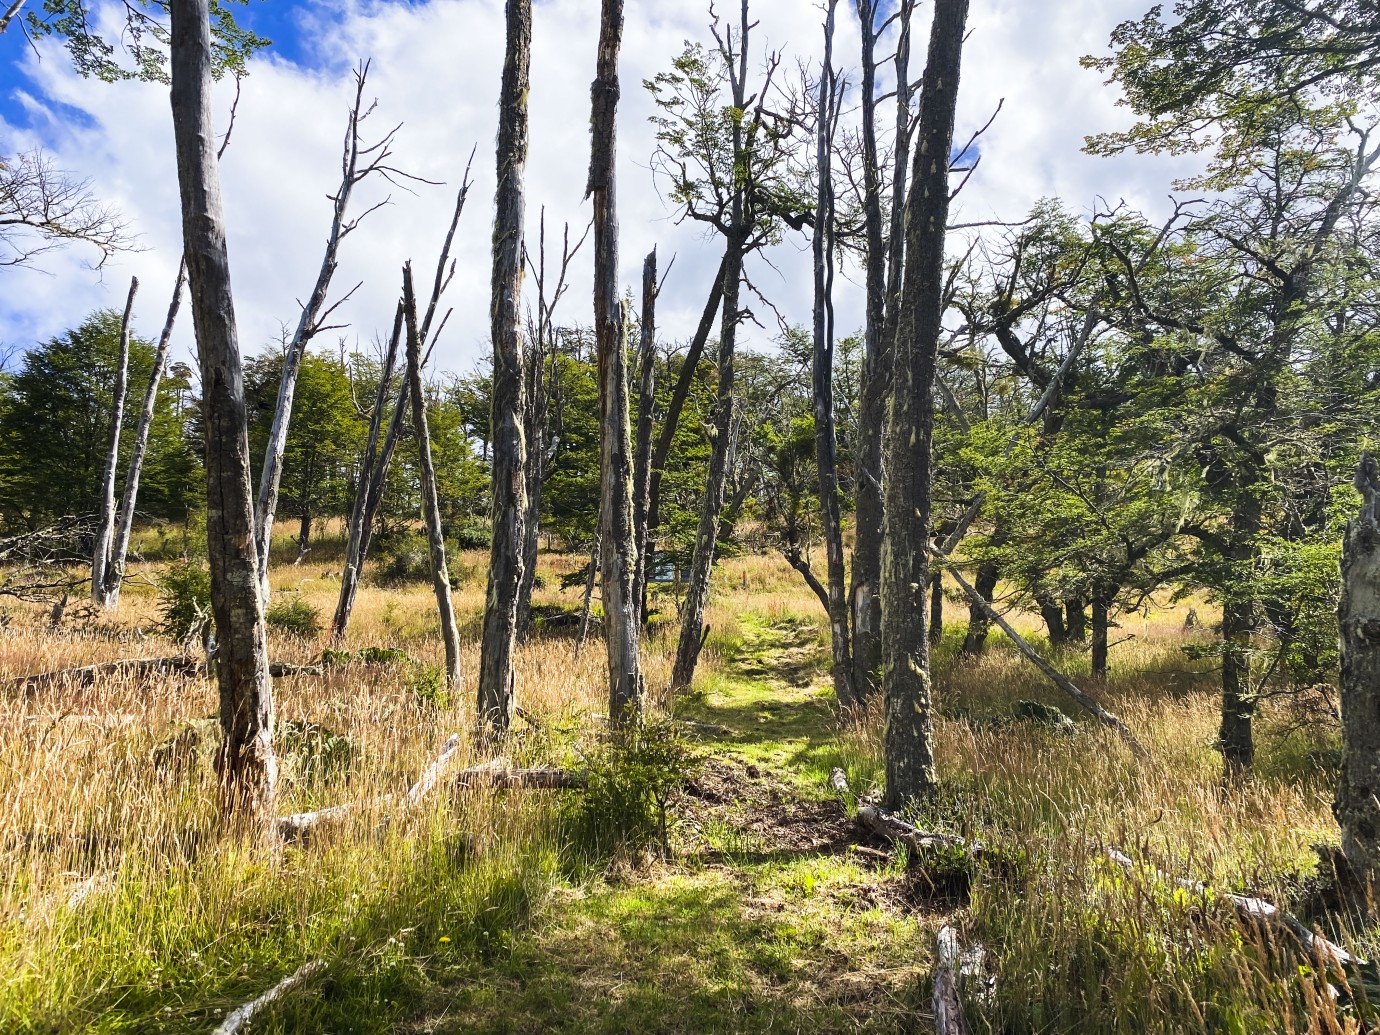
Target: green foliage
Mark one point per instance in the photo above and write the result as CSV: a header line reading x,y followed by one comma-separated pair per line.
x,y
634,776
184,601
427,684
331,657
294,616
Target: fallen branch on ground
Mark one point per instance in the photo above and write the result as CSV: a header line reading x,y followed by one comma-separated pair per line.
x,y
177,664
897,831
522,779
949,1018
242,1014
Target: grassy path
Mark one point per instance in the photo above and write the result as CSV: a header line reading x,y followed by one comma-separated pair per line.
x,y
769,919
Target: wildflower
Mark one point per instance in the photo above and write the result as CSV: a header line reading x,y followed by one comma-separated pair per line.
x,y
445,938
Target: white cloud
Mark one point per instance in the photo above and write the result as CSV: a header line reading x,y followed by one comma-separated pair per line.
x,y
436,69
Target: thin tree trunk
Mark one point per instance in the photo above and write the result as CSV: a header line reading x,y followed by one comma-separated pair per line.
x,y
303,538
936,608
496,679
10,11
587,599
1076,619
908,746
246,763
1101,622
975,640
618,533
431,510
105,518
1053,616
534,432
1236,738
1357,807
882,282
115,570
642,454
822,374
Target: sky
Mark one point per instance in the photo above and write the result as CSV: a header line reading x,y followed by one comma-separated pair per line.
x,y
435,70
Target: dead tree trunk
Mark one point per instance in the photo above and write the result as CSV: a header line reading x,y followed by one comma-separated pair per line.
x,y
1357,808
105,520
908,741
115,570
248,768
882,280
496,679
642,452
975,639
822,375
617,532
431,510
312,320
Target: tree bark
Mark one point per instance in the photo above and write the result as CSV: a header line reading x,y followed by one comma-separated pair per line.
x,y
115,570
303,537
975,640
1101,622
1357,807
496,698
105,519
822,376
908,746
617,530
431,510
246,763
936,631
1053,616
1076,613
642,452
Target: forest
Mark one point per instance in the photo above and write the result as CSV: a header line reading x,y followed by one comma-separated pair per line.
x,y
1000,653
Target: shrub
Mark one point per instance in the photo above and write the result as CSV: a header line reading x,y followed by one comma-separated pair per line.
x,y
470,535
428,685
295,616
184,601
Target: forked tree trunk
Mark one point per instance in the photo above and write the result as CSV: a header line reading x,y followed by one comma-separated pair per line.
x,y
882,278
908,746
115,570
431,510
617,532
105,519
822,375
1357,807
642,453
246,763
496,679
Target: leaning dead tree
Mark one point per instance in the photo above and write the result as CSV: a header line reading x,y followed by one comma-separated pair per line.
x,y
496,697
358,162
1357,809
618,556
246,763
105,520
908,740
373,472
642,446
431,509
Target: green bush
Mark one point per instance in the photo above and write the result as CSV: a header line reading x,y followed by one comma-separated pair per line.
x,y
470,535
635,775
295,616
428,685
184,601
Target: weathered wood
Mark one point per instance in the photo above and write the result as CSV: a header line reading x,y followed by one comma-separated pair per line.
x,y
949,1016
8,16
1358,617
176,664
105,519
588,597
496,689
115,570
618,561
247,765
503,778
908,738
642,450
241,1015
898,831
431,509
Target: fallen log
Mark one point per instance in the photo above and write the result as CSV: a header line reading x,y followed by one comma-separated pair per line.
x,y
241,1015
177,664
949,1018
1259,912
898,831
522,779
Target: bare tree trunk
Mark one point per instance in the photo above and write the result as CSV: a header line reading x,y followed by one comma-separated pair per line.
x,y
1076,620
642,454
882,284
1101,622
1357,807
822,373
588,598
10,11
248,768
105,519
1053,616
360,512
619,537
314,312
496,680
908,740
936,608
431,510
303,538
115,570
975,640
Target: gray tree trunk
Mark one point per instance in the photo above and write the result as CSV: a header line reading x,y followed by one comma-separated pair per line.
x,y
115,570
431,510
496,679
617,533
642,452
105,518
822,374
246,763
908,740
1357,806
